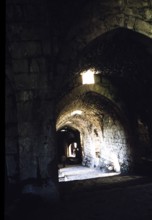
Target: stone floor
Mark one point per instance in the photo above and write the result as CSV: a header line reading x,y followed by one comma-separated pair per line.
x,y
108,198
78,172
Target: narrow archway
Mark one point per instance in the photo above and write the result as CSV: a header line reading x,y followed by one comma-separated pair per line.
x,y
68,142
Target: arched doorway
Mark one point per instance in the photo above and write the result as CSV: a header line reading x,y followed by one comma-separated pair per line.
x,y
69,146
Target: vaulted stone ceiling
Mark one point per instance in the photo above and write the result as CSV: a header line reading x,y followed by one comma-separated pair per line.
x,y
119,57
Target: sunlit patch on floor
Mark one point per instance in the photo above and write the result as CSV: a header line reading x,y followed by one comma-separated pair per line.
x,y
71,173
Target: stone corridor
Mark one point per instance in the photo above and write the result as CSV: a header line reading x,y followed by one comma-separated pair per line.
x,y
55,114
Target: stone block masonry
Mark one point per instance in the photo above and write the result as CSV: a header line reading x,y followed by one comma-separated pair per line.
x,y
28,34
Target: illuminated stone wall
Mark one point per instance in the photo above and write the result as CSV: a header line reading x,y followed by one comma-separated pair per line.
x,y
115,145
105,139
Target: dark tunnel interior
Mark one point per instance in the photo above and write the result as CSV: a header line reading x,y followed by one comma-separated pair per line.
x,y
78,110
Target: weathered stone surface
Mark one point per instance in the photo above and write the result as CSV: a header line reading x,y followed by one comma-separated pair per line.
x,y
27,95
10,116
130,22
38,65
26,49
26,31
112,3
11,164
35,152
26,82
11,145
41,94
28,166
20,66
143,27
34,12
28,129
120,19
45,46
147,14
134,12
15,12
46,94
137,4
44,161
48,192
27,113
11,129
11,132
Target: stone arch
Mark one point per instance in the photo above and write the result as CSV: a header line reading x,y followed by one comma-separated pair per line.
x,y
117,53
103,128
121,76
139,42
99,17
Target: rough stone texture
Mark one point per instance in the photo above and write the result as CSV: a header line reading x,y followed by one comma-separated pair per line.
x,y
30,48
143,27
103,137
47,48
26,49
115,145
20,66
11,134
102,16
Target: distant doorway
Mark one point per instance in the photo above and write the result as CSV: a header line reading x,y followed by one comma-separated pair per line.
x,y
69,147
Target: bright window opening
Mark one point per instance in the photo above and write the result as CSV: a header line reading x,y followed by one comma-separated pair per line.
x,y
88,77
71,150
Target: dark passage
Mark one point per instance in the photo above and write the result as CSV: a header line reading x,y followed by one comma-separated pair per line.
x,y
69,147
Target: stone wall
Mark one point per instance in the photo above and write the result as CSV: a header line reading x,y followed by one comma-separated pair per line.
x,y
116,145
11,134
31,57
